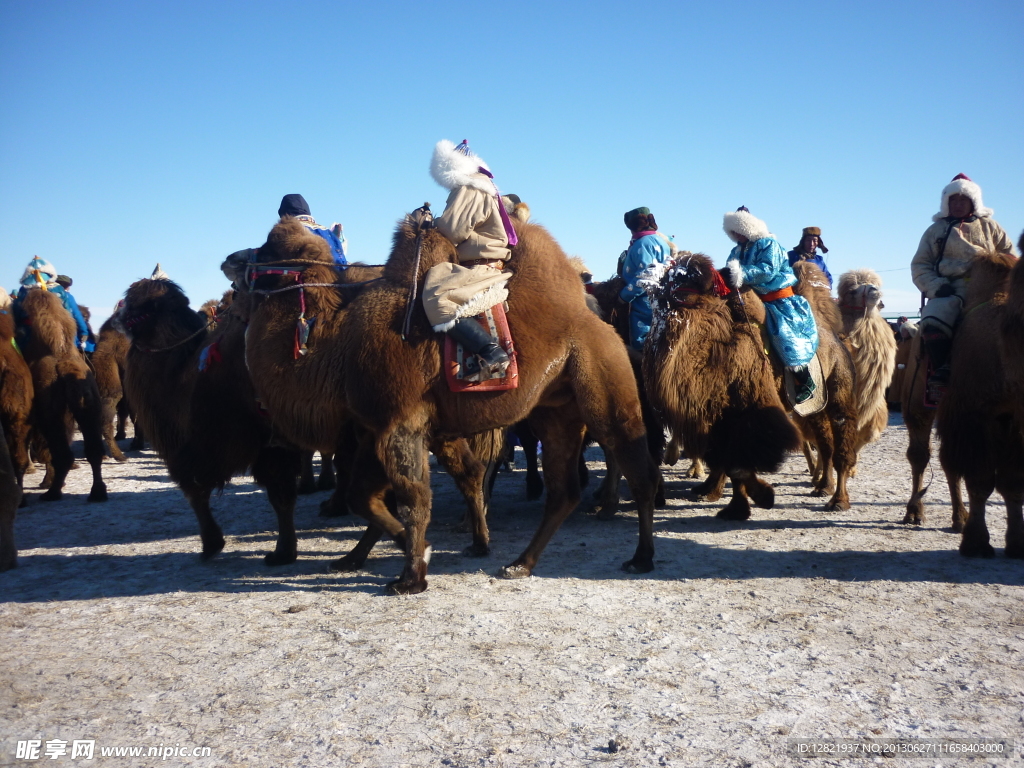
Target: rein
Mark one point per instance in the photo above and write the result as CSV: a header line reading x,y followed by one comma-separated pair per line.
x,y
191,336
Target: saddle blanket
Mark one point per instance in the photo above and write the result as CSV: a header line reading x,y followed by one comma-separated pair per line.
x,y
454,357
818,400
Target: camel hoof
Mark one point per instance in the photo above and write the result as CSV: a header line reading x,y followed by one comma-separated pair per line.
x,y
1015,550
120,458
660,502
514,571
98,493
837,505
404,587
638,565
913,517
763,498
54,494
819,492
211,550
346,564
329,509
976,549
477,549
606,511
306,487
280,558
534,488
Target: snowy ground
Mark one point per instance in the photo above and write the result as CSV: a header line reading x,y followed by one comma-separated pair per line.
x,y
795,624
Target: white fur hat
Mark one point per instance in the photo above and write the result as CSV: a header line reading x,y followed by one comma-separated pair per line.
x,y
961,185
743,222
456,166
159,274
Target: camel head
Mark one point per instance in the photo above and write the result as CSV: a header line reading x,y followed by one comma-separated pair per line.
x,y
146,303
860,289
416,240
688,280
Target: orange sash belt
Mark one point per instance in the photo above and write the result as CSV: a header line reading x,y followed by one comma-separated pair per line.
x,y
782,293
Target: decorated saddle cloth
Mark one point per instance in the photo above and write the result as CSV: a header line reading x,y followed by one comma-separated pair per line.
x,y
455,358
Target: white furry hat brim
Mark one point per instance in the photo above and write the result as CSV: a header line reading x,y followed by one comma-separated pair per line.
x,y
968,189
451,168
45,268
746,224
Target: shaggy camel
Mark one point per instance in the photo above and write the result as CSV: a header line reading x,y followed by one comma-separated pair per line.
x,y
979,419
195,402
64,388
872,347
573,375
108,365
10,497
16,392
709,377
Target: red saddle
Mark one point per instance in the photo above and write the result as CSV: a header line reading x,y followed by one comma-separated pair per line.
x,y
454,357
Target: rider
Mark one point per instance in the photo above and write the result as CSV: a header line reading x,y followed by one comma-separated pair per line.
x,y
647,247
810,242
963,230
476,221
40,274
760,260
295,205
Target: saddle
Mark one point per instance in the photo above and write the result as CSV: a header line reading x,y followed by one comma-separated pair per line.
x,y
818,400
455,358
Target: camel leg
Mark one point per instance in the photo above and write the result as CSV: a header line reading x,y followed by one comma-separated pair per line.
x,y
109,438
812,467
403,452
563,440
975,540
468,474
824,441
327,480
607,494
307,480
843,424
275,469
647,486
711,489
738,507
673,450
698,468
210,534
919,453
959,511
138,441
342,459
121,416
534,482
61,460
760,492
10,497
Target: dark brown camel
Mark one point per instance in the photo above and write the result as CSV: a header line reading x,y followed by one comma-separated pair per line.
x,y
16,393
205,424
979,418
10,497
64,388
573,375
708,376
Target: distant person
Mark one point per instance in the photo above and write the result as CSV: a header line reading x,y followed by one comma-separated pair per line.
x,y
296,206
807,250
963,230
66,282
40,274
647,247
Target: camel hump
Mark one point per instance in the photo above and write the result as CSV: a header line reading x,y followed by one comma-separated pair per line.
x,y
990,277
290,239
813,286
53,328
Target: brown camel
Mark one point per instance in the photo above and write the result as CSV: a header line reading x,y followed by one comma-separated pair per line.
x,y
16,392
65,388
108,363
710,379
979,417
573,375
872,347
195,402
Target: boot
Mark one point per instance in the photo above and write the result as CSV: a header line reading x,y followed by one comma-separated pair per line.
x,y
938,347
804,383
490,359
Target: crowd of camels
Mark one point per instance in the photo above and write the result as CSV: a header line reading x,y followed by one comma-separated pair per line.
x,y
232,389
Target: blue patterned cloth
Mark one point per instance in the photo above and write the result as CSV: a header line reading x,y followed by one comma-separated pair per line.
x,y
642,253
790,322
337,245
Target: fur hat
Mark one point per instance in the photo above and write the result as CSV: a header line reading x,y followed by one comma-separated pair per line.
x,y
743,222
961,185
639,218
64,281
43,268
456,166
816,232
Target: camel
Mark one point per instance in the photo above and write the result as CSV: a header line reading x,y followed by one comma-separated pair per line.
x,y
10,497
366,363
195,402
709,378
979,417
64,388
16,392
108,365
872,347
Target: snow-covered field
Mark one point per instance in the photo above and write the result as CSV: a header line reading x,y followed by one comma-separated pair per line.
x,y
795,624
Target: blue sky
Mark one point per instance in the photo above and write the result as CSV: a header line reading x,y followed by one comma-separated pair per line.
x,y
144,132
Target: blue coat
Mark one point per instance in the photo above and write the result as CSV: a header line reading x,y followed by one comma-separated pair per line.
x,y
795,256
337,246
643,252
790,322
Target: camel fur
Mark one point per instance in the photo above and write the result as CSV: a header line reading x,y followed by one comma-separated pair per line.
x,y
205,425
573,375
872,347
979,420
10,497
16,393
708,376
65,388
108,364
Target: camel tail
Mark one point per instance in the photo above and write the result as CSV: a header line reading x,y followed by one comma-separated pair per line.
x,y
487,446
755,438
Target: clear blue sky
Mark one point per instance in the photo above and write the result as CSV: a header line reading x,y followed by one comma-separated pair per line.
x,y
140,132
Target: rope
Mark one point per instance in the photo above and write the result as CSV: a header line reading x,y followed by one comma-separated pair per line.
x,y
296,286
206,327
412,288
